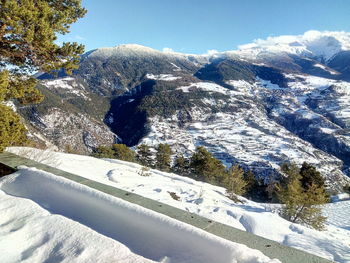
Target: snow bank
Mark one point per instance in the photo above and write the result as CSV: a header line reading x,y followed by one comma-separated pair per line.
x,y
145,232
211,202
29,233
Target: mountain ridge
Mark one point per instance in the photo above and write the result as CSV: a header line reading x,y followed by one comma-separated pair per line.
x,y
256,111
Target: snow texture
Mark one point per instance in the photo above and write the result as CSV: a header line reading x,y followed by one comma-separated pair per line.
x,y
211,202
323,45
68,84
250,137
68,222
164,77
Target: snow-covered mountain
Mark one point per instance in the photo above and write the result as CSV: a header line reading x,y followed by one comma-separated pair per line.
x,y
314,44
281,99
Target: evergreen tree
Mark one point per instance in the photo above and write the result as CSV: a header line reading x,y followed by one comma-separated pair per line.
x,y
234,182
163,157
301,205
27,44
271,190
103,152
249,177
255,189
123,152
206,167
144,155
181,165
12,131
310,176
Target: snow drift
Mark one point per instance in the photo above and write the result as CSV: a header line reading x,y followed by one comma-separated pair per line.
x,y
211,202
145,232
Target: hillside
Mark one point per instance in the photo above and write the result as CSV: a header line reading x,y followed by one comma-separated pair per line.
x,y
281,99
196,197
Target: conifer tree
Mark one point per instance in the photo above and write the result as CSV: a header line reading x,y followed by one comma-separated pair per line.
x,y
309,176
301,205
234,181
12,131
163,157
27,44
144,155
103,152
206,167
181,165
123,152
249,177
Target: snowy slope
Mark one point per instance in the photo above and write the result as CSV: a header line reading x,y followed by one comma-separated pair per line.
x,y
30,233
250,125
280,99
210,201
69,222
322,45
68,85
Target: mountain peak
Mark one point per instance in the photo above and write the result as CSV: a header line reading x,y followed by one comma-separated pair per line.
x,y
123,50
320,44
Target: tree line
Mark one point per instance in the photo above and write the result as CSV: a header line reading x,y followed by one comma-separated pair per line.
x,y
301,189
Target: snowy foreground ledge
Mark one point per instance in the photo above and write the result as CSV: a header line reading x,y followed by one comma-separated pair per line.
x,y
210,201
46,218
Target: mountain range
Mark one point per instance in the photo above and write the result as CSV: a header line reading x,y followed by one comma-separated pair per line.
x,y
284,98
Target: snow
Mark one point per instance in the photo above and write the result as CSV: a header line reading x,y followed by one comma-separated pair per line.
x,y
340,197
326,69
164,77
176,68
129,50
11,105
335,95
60,83
338,213
205,86
247,136
30,233
239,83
69,222
210,201
69,84
125,49
323,45
327,130
268,84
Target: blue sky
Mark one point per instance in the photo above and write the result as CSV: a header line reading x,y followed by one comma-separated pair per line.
x,y
195,26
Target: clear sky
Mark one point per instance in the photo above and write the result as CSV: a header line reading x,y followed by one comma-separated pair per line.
x,y
195,26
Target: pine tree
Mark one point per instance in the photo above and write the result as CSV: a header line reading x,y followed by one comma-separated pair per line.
x,y
234,182
163,157
103,152
251,180
12,131
271,190
27,44
181,165
301,204
123,152
144,155
309,176
256,188
206,167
